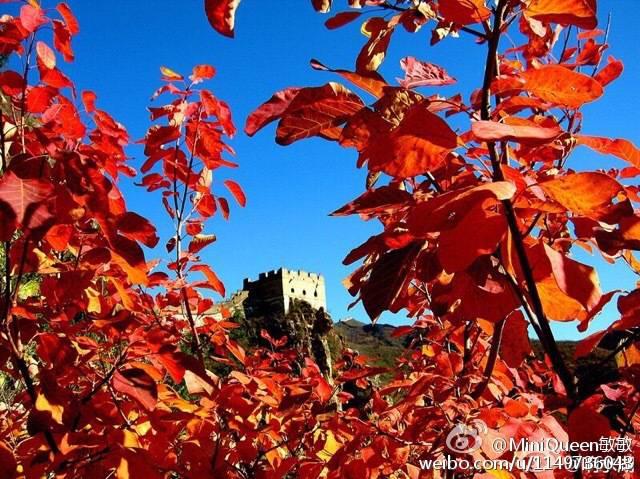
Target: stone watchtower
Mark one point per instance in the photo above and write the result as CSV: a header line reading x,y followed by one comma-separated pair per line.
x,y
274,291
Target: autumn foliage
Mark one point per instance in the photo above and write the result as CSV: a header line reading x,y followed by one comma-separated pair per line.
x,y
120,371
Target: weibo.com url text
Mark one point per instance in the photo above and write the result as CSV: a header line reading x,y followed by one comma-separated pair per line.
x,y
534,463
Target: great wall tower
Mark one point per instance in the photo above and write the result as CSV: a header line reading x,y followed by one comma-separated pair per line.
x,y
275,291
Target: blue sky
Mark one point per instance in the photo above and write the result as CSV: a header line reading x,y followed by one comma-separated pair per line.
x,y
291,190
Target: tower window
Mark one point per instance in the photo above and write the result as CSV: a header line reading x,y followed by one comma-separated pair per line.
x,y
292,290
315,293
304,292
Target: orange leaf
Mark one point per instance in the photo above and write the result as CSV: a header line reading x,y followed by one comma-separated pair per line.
x,y
621,148
202,72
212,278
418,145
494,131
610,72
586,194
581,13
557,84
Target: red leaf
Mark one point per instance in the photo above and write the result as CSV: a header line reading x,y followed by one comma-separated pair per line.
x,y
322,6
237,192
575,279
419,73
387,281
26,198
8,464
224,207
385,198
89,101
173,361
515,345
39,98
315,110
221,15
587,425
138,385
341,19
206,205
587,345
457,248
137,228
62,40
237,350
371,82
374,51
587,194
270,110
200,241
69,18
220,109
11,83
463,12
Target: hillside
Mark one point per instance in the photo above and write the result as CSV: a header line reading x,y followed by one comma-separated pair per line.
x,y
376,341
372,340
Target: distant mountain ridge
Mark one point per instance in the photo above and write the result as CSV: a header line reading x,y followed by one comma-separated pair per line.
x,y
377,342
372,340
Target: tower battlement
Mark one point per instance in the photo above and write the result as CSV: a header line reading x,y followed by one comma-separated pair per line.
x,y
276,289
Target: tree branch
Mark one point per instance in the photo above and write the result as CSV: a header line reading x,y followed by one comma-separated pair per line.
x,y
496,340
544,332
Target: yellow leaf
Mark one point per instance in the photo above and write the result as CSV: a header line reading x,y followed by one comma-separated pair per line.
x,y
170,74
499,473
143,428
125,297
43,404
427,350
130,439
331,446
94,300
122,472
